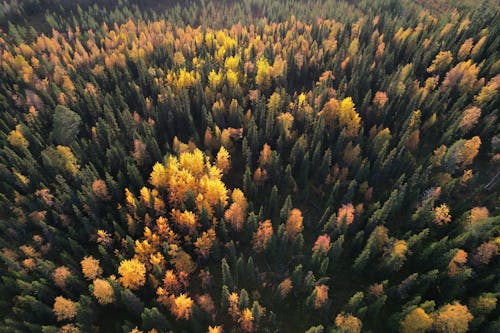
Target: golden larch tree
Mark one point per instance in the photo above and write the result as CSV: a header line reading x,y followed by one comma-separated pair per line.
x,y
91,268
133,273
263,77
171,282
60,275
64,308
215,329
103,291
182,307
246,320
442,214
442,60
223,160
204,242
416,321
16,138
347,323
348,118
453,318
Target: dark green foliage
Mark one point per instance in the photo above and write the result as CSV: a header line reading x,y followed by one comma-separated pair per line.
x,y
66,125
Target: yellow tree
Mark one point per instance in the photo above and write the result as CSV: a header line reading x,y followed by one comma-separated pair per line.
x,y
246,320
103,237
478,214
69,328
204,243
347,323
286,123
90,268
263,77
186,219
215,329
16,138
489,91
64,308
453,318
235,215
223,160
274,103
103,291
348,118
442,215
238,197
171,282
463,76
182,307
67,159
159,176
470,150
215,80
465,49
133,273
416,321
441,62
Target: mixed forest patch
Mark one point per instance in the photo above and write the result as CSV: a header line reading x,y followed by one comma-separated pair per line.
x,y
260,166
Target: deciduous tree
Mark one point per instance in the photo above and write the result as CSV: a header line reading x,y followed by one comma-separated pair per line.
x,y
133,273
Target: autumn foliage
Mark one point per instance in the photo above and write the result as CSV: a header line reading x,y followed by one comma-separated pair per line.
x,y
64,308
182,307
91,268
253,166
103,291
133,273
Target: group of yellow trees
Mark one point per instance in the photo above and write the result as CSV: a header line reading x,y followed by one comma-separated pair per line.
x,y
190,176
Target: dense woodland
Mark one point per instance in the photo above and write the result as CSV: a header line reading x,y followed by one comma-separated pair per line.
x,y
250,166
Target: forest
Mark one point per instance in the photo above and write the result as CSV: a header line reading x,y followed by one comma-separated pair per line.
x,y
324,166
